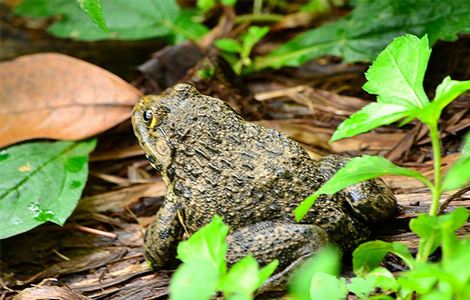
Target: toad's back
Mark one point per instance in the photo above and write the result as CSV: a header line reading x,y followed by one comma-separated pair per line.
x,y
221,164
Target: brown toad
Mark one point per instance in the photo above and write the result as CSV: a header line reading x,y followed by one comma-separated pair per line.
x,y
214,162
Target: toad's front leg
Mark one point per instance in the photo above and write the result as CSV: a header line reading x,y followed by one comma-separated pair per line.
x,y
163,235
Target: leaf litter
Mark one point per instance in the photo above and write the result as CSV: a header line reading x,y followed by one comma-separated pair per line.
x,y
124,193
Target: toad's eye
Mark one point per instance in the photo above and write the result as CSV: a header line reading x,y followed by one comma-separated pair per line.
x,y
148,114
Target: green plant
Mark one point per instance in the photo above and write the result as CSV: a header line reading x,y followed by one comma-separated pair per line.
x,y
208,4
93,9
238,54
399,87
40,182
125,20
204,253
368,28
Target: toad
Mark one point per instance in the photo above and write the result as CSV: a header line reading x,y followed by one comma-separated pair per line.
x,y
215,162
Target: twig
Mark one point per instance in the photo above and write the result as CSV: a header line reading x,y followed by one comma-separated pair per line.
x,y
96,231
452,197
60,255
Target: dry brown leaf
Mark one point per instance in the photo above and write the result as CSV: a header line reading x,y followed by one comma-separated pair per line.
x,y
60,97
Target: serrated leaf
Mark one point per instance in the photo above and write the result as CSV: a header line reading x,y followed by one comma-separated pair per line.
x,y
369,255
229,45
41,182
126,20
207,244
397,74
369,117
93,9
356,170
195,279
369,27
448,90
396,77
459,173
327,261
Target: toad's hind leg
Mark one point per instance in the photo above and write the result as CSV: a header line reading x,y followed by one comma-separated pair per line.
x,y
269,240
371,200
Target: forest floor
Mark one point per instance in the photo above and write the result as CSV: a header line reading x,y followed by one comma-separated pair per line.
x,y
98,253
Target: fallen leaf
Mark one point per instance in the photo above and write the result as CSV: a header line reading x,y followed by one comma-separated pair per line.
x,y
60,97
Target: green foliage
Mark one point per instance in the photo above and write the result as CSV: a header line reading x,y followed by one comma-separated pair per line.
x,y
93,9
368,256
238,54
208,4
126,20
459,173
316,6
397,83
317,277
356,170
399,87
205,4
377,278
244,278
204,253
396,77
369,27
447,279
41,182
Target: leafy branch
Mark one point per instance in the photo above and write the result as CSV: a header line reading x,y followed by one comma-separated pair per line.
x,y
396,77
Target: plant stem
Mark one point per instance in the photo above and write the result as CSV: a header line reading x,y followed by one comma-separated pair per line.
x,y
436,149
257,7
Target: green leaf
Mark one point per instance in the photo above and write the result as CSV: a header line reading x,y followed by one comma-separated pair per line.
x,y
422,279
459,173
207,244
369,27
429,229
396,77
458,264
369,255
93,9
327,286
244,278
369,117
356,170
251,37
327,260
126,20
228,2
229,45
397,74
205,4
448,90
195,279
267,271
361,287
41,182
